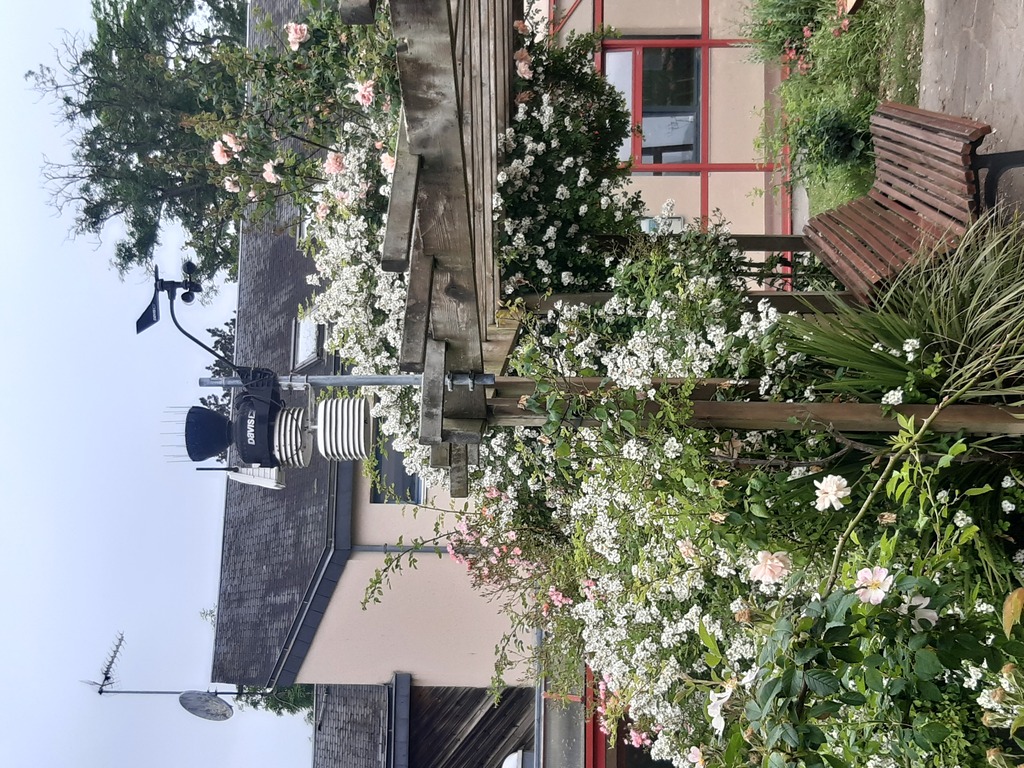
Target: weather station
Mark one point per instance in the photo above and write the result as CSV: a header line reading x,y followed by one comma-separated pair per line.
x,y
265,434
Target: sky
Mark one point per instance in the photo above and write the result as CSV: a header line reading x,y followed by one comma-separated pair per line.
x,y
103,530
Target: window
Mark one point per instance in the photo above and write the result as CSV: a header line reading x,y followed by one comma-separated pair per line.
x,y
307,343
660,80
392,485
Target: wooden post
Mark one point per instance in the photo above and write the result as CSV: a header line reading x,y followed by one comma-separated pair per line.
x,y
844,417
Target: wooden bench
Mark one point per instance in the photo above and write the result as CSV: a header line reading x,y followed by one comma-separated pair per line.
x,y
925,194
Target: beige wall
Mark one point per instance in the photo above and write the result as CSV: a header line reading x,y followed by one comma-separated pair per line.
x,y
728,18
431,623
653,17
376,524
737,98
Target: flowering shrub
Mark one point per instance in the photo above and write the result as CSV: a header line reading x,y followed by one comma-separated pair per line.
x,y
561,183
327,87
749,599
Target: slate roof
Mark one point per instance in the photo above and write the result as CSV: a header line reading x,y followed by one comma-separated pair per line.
x,y
277,544
351,728
448,727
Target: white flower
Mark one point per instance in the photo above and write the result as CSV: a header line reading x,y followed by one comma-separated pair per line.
x,y
1008,482
717,701
832,489
1008,506
917,606
696,757
893,397
961,519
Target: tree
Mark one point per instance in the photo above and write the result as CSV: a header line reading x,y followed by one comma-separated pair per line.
x,y
293,700
224,345
130,94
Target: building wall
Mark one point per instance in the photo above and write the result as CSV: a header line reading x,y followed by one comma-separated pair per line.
x,y
430,623
727,176
377,524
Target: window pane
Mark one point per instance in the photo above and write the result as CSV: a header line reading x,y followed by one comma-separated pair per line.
x,y
618,68
671,97
393,485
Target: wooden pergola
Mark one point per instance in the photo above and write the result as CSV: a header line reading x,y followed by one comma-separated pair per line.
x,y
455,67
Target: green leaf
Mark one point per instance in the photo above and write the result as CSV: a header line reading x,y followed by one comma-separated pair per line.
x,y
933,733
847,653
873,660
824,709
776,760
768,691
929,691
836,762
927,665
978,491
708,639
873,680
853,698
804,655
821,681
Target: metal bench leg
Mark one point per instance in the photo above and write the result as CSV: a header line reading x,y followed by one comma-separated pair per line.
x,y
997,164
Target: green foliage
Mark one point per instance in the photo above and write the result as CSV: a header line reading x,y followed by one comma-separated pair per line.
x,y
302,103
127,95
561,183
839,67
291,700
948,326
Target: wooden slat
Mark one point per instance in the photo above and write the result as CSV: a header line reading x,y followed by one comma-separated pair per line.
x,y
845,417
971,130
417,311
441,455
798,301
458,473
398,236
432,393
849,248
431,102
957,177
949,150
925,196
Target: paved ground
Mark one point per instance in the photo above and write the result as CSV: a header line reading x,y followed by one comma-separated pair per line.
x,y
973,65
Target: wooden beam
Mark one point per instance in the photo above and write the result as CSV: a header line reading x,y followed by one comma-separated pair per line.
x,y
441,455
430,99
398,236
463,431
458,474
844,417
417,312
802,302
432,393
705,389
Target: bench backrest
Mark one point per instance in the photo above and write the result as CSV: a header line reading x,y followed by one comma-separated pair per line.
x,y
923,166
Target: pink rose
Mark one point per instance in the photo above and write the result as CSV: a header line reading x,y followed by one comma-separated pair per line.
x,y
297,34
221,153
334,164
322,209
387,164
520,26
524,70
872,584
363,92
231,184
233,141
269,173
771,568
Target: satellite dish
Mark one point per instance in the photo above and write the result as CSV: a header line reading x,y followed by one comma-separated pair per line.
x,y
206,705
